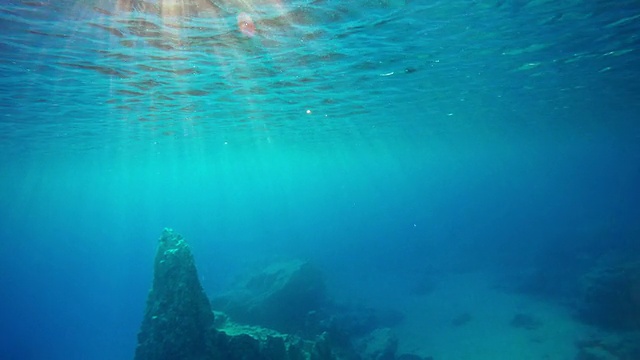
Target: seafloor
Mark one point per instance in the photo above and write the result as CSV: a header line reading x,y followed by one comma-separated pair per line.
x,y
288,310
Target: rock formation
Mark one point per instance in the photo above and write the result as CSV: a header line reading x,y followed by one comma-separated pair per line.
x,y
178,320
283,296
279,313
179,324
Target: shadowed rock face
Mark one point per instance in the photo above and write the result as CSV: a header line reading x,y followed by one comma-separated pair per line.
x,y
281,296
178,319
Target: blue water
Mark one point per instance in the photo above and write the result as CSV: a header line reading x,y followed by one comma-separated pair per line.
x,y
375,138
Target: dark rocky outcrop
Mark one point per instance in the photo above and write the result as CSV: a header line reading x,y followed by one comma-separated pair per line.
x,y
285,296
291,296
281,312
179,324
611,296
178,319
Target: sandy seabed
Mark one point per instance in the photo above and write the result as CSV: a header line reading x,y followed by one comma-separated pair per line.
x,y
465,317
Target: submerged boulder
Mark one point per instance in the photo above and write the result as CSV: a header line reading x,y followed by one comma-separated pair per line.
x,y
291,297
284,296
178,319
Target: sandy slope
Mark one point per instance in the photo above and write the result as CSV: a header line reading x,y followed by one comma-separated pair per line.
x,y
488,334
